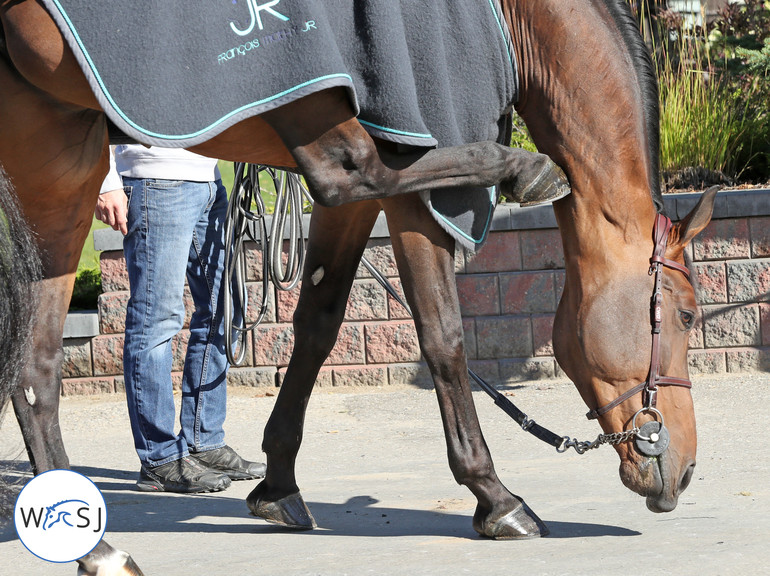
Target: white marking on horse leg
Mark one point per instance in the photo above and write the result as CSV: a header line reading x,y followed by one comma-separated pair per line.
x,y
29,394
317,276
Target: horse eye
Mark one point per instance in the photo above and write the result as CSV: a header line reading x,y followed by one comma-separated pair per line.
x,y
687,318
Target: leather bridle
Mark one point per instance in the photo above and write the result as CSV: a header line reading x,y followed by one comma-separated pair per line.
x,y
649,388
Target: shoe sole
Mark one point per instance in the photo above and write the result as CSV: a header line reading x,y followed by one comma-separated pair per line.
x,y
153,486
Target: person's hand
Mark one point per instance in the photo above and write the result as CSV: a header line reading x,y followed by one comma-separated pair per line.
x,y
111,208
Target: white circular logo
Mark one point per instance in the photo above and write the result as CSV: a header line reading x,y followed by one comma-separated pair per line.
x,y
60,516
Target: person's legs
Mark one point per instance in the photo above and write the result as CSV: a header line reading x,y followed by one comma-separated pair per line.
x,y
204,383
161,220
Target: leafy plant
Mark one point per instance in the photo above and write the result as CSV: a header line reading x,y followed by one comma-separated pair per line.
x,y
88,286
714,90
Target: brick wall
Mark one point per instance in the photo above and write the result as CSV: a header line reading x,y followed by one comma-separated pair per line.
x,y
508,295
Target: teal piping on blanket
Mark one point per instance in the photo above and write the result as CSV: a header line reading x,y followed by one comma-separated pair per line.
x,y
495,13
492,198
115,107
394,131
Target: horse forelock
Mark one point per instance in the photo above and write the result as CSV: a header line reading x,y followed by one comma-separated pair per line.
x,y
646,76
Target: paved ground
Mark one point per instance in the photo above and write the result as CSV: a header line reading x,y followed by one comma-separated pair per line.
x,y
373,470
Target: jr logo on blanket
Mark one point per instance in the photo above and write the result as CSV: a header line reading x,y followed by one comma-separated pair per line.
x,y
255,11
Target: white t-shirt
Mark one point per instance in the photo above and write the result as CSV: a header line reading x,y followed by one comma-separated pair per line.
x,y
137,161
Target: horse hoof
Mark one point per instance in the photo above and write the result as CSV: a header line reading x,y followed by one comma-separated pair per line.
x,y
520,523
289,511
539,182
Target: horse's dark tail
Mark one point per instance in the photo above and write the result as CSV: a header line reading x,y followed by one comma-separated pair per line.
x,y
19,268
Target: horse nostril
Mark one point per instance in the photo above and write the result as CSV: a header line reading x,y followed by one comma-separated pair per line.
x,y
686,477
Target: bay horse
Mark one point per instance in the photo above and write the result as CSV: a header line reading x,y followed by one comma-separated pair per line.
x,y
589,98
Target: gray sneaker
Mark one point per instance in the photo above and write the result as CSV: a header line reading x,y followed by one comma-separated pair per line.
x,y
227,461
185,475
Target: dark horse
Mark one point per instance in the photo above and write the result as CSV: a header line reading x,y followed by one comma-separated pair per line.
x,y
589,97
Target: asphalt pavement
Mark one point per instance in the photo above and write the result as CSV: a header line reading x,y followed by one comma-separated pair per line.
x,y
373,471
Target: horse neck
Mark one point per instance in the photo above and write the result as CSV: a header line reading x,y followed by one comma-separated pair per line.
x,y
583,102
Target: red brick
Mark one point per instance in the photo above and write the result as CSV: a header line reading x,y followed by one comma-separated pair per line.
x,y
108,354
469,329
748,281
723,239
77,358
252,377
395,310
179,349
324,379
541,250
114,274
394,341
380,254
479,294
286,303
87,386
360,376
112,312
367,301
542,335
527,292
707,362
764,314
711,278
504,337
349,348
253,262
273,344
500,253
254,304
731,326
760,237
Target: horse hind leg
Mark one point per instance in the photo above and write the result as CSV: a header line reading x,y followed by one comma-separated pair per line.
x,y
425,257
337,240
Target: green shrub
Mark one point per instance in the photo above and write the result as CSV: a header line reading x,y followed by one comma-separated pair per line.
x,y
88,286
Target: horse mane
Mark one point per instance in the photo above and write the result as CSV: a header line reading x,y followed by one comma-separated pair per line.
x,y
647,78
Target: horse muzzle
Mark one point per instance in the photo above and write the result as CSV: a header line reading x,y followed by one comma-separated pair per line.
x,y
658,478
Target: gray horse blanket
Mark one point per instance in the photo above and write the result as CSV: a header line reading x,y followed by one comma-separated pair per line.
x,y
421,73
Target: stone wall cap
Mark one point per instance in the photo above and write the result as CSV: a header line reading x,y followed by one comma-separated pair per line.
x,y
81,324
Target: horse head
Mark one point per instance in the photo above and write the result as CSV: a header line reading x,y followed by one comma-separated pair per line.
x,y
635,371
596,114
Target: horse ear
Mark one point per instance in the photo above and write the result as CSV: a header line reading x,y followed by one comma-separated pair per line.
x,y
698,218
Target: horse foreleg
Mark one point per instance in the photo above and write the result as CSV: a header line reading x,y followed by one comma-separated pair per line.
x,y
425,257
343,163
337,239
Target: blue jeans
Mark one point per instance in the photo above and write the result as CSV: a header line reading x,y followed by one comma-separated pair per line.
x,y
175,229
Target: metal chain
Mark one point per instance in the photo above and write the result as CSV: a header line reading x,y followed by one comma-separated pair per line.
x,y
581,447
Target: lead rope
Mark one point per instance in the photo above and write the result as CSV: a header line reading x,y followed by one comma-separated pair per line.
x,y
244,223
241,220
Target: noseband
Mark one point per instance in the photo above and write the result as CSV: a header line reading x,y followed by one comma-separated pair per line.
x,y
649,388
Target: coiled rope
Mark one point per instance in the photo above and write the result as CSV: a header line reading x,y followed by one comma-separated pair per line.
x,y
246,223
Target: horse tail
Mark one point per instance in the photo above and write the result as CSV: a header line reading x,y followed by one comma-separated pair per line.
x,y
19,268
